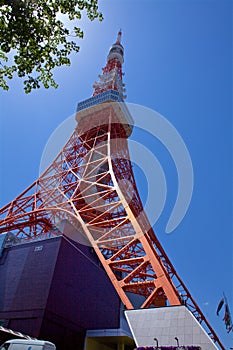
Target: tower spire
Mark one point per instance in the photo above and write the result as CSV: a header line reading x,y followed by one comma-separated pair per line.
x,y
111,77
119,37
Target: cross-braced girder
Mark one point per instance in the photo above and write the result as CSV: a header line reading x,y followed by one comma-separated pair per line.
x,y
91,184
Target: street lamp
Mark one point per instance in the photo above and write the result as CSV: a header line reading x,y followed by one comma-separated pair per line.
x,y
157,343
177,340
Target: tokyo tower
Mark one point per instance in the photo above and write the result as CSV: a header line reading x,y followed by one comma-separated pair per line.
x,y
91,184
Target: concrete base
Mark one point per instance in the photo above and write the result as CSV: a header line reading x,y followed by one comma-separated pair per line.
x,y
165,324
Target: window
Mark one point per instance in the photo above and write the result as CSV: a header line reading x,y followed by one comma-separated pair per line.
x,y
5,346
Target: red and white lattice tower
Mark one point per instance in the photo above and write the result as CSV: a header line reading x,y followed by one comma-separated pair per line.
x,y
91,184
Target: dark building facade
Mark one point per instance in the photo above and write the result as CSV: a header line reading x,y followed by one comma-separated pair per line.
x,y
56,289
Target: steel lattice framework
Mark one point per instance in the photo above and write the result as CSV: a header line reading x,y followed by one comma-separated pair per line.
x,y
91,185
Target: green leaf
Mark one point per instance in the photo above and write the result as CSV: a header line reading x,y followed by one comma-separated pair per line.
x,y
39,41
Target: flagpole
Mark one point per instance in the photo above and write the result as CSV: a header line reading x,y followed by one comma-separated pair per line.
x,y
225,298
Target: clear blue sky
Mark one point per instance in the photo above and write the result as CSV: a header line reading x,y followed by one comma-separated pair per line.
x,y
178,61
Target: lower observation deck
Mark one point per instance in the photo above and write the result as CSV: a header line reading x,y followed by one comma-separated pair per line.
x,y
96,104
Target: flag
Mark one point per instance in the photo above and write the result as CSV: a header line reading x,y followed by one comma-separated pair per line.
x,y
227,319
220,305
227,316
